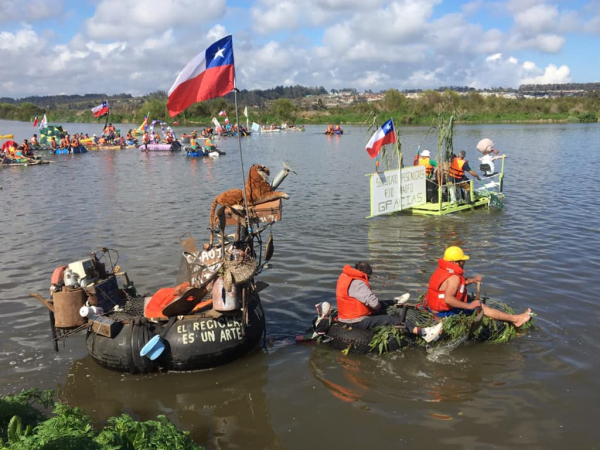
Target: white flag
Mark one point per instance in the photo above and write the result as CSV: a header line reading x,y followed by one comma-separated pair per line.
x,y
246,111
43,123
216,122
255,126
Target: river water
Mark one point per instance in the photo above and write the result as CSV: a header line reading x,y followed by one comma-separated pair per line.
x,y
539,251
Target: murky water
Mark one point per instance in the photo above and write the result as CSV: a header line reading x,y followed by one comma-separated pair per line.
x,y
540,251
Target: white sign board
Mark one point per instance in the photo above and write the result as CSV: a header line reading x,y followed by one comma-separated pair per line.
x,y
396,190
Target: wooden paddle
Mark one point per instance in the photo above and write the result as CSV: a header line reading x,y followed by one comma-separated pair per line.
x,y
189,299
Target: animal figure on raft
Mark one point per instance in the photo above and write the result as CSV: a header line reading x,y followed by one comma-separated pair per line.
x,y
258,190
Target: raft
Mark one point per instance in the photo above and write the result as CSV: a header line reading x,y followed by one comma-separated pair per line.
x,y
174,147
6,162
201,153
70,151
457,328
192,342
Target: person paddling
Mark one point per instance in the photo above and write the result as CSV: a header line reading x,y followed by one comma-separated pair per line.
x,y
447,292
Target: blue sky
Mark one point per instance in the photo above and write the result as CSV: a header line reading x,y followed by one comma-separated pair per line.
x,y
50,47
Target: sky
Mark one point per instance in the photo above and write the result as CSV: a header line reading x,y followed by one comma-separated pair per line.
x,y
51,47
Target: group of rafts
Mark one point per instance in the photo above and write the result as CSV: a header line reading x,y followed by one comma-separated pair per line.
x,y
211,316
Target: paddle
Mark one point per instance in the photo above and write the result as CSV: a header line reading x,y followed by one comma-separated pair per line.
x,y
477,319
189,299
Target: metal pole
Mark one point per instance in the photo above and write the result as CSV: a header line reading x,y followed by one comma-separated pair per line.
x,y
237,121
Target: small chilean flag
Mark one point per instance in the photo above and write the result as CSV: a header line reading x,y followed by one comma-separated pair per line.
x,y
100,110
209,75
383,136
36,121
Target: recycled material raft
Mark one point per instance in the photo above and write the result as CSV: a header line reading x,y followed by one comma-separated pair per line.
x,y
457,328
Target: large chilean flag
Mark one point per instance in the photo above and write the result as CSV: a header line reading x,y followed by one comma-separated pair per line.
x,y
209,75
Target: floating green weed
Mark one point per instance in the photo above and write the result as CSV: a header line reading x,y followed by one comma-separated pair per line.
x,y
24,427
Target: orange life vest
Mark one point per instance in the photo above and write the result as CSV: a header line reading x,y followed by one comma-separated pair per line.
x,y
349,307
208,143
456,168
425,161
435,297
53,143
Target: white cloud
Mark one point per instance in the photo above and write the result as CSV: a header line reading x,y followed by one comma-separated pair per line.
x,y
32,10
21,41
551,75
126,19
536,19
139,46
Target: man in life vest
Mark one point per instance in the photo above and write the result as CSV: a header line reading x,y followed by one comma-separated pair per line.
x,y
329,129
447,292
209,145
34,140
25,148
430,168
53,144
359,306
193,141
456,175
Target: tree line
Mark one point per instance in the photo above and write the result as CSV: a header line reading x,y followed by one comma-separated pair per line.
x,y
296,104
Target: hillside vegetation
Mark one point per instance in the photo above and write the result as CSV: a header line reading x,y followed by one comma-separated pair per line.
x,y
316,106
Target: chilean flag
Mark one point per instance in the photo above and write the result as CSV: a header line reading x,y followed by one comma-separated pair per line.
x,y
209,75
383,136
100,110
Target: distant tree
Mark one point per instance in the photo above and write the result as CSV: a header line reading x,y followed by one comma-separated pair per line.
x,y
283,110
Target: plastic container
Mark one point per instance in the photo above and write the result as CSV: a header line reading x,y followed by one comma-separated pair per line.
x,y
224,301
89,311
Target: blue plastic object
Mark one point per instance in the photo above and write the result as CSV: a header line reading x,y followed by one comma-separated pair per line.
x,y
153,348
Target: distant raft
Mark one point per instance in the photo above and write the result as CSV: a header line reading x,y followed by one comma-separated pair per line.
x,y
173,147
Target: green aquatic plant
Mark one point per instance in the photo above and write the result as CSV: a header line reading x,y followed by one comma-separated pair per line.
x,y
71,428
384,335
457,327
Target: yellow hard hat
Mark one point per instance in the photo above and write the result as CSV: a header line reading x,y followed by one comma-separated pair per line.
x,y
455,253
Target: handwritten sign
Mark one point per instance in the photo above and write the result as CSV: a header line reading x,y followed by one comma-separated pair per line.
x,y
397,190
223,329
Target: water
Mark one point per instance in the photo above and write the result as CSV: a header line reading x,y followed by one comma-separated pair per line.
x,y
540,251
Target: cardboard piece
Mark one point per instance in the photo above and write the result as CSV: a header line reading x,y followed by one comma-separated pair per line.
x,y
261,213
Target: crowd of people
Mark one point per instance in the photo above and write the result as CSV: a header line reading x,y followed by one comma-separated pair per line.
x,y
454,180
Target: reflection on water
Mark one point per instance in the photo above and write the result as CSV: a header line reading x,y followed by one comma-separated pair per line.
x,y
540,251
220,408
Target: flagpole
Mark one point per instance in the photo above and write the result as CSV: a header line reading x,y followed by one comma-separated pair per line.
x,y
237,121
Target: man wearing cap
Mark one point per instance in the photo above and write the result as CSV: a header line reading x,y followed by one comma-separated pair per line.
x,y
430,167
358,306
447,292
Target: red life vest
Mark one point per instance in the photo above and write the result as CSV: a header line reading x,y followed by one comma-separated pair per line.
x,y
425,161
435,297
349,307
456,168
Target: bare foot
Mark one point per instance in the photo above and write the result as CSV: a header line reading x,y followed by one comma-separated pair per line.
x,y
522,318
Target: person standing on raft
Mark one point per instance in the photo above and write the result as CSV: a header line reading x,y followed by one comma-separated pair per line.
x,y
447,293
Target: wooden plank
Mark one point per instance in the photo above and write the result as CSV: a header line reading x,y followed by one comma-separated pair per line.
x,y
262,213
